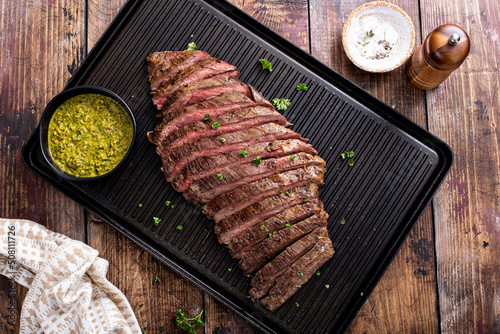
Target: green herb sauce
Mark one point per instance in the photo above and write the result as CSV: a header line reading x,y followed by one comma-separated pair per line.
x,y
89,135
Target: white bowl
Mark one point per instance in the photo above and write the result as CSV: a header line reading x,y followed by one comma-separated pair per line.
x,y
378,57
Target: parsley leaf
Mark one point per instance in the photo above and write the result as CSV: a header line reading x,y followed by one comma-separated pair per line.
x,y
292,157
156,221
156,279
167,203
220,176
301,86
262,227
327,286
266,65
207,117
342,221
229,269
215,125
281,104
179,227
351,162
244,153
192,46
257,160
140,205
223,140
188,324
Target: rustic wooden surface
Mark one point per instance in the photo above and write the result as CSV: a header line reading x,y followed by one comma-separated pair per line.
x,y
446,278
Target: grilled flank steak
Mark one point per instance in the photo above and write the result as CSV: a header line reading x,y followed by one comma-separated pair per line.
x,y
223,144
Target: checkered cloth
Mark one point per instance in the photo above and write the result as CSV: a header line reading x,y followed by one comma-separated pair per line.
x,y
68,289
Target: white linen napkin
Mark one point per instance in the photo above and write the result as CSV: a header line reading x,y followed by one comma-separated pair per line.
x,y
68,289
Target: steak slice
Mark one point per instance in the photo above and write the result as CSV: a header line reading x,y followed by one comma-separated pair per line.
x,y
232,201
201,70
205,166
242,242
257,212
264,280
173,66
201,91
209,187
234,141
260,253
156,59
215,107
300,272
229,122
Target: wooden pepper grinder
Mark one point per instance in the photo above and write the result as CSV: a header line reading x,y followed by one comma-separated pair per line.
x,y
442,52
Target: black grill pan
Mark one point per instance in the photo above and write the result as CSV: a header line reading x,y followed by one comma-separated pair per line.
x,y
380,197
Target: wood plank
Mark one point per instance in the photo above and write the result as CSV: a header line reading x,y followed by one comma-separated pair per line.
x,y
42,44
405,300
464,111
132,269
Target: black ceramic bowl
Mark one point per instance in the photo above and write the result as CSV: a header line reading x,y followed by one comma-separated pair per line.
x,y
49,112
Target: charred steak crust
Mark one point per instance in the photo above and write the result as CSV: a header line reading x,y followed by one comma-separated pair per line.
x,y
222,143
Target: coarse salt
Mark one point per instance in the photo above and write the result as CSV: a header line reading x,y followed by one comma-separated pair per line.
x,y
375,39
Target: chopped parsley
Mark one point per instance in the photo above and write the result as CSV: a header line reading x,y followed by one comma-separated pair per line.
x,y
207,117
220,176
342,221
305,198
167,203
188,324
327,286
297,304
192,46
287,192
280,191
348,155
266,64
300,273
179,227
270,284
281,104
161,329
156,279
223,140
270,234
317,273
229,269
257,160
262,208
243,153
262,227
156,221
351,162
257,138
361,294
215,125
172,206
248,233
287,224
292,157
265,184
143,329
140,205
302,86
311,181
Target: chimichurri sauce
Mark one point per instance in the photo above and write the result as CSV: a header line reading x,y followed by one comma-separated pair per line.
x,y
89,135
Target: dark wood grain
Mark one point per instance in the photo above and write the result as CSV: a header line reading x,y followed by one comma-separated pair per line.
x,y
42,45
405,300
464,111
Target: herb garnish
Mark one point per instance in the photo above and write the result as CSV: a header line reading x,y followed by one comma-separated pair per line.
x,y
305,198
327,286
342,221
300,273
287,224
140,205
172,206
257,160
281,104
143,329
192,46
179,227
220,176
223,140
262,227
229,269
244,153
280,191
188,324
317,273
161,329
351,162
369,34
266,64
361,294
297,304
311,181
156,220
292,157
348,155
167,203
215,125
301,86
156,279
207,117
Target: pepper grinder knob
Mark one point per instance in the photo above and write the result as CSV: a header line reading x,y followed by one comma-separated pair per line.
x,y
442,52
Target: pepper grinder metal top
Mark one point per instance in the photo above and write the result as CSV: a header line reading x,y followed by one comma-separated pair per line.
x,y
442,52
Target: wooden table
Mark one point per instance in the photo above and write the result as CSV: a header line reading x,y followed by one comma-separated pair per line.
x,y
446,276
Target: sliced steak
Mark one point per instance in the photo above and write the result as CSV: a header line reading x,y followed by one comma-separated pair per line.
x,y
242,242
235,200
234,141
265,278
201,70
299,273
201,91
165,72
226,123
259,98
209,187
157,59
205,166
267,249
257,212
176,119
